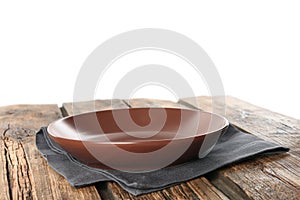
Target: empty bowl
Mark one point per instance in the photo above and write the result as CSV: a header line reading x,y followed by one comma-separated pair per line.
x,y
138,139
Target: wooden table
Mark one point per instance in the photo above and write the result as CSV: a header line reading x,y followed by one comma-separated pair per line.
x,y
24,174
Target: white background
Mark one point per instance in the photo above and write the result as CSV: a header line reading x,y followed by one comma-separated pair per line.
x,y
255,46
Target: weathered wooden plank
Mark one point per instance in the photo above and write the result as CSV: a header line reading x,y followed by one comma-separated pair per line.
x,y
200,189
90,106
27,173
273,177
4,183
204,189
142,102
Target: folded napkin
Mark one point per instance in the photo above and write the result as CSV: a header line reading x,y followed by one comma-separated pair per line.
x,y
233,146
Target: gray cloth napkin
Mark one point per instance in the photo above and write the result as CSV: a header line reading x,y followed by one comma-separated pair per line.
x,y
232,147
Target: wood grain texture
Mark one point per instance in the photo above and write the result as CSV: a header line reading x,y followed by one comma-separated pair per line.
x,y
90,106
4,173
196,189
271,177
142,102
24,173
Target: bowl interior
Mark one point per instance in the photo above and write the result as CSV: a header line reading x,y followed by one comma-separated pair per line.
x,y
137,125
138,139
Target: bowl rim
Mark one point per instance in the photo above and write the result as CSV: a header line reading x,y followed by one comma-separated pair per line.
x,y
50,126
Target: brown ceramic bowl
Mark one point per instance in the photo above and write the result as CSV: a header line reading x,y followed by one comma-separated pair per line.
x,y
138,139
